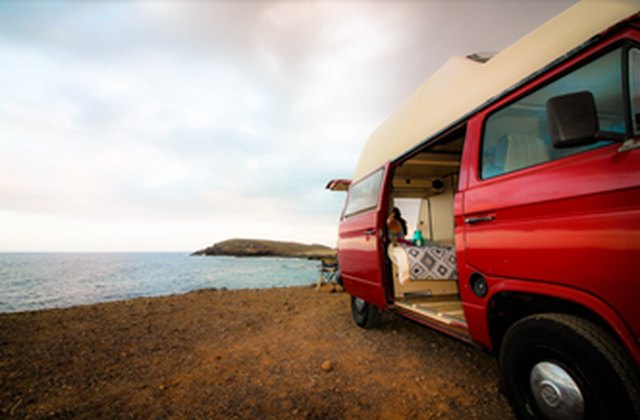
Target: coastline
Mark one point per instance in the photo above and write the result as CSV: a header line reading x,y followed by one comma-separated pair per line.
x,y
266,248
39,281
237,353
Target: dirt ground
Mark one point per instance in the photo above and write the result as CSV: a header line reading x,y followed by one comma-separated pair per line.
x,y
269,353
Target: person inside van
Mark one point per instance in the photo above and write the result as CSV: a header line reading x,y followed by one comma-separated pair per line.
x,y
397,227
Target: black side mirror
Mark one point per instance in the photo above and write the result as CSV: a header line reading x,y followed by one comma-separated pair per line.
x,y
573,120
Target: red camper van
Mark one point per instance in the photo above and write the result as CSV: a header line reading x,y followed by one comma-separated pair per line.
x,y
523,175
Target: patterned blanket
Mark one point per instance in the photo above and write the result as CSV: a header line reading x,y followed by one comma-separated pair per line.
x,y
432,262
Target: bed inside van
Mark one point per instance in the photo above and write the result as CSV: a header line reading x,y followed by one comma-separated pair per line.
x,y
425,280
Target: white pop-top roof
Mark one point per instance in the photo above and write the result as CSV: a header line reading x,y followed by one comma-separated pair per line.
x,y
462,85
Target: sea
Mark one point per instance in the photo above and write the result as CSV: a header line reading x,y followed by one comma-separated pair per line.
x,y
34,281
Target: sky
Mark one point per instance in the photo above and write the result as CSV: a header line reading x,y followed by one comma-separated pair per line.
x,y
172,125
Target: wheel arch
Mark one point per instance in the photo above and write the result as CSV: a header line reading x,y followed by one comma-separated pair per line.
x,y
510,304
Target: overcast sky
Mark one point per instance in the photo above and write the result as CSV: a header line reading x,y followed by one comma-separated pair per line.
x,y
170,125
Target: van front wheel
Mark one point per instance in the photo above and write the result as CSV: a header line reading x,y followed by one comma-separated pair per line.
x,y
364,314
558,366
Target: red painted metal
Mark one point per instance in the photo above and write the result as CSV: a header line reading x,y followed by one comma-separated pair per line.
x,y
361,254
567,229
573,222
476,310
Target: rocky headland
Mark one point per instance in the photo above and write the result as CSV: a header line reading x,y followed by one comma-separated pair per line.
x,y
265,248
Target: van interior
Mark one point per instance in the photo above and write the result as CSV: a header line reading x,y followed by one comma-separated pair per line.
x,y
425,283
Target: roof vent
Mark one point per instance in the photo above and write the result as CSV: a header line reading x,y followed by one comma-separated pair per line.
x,y
481,57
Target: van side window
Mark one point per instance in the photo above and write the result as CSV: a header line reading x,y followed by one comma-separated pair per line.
x,y
363,195
634,85
517,136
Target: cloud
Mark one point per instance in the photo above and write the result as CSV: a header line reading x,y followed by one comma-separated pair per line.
x,y
169,125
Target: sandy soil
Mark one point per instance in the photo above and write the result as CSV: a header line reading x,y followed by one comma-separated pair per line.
x,y
268,353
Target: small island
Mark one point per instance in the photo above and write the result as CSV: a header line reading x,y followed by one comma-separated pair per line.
x,y
265,248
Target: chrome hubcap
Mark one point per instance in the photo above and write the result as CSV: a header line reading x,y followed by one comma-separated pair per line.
x,y
556,393
359,304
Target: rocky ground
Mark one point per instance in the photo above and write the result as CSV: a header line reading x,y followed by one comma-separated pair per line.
x,y
271,353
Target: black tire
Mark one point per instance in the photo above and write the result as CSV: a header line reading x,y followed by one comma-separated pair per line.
x,y
365,315
600,369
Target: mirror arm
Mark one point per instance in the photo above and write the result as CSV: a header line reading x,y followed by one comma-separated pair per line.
x,y
629,144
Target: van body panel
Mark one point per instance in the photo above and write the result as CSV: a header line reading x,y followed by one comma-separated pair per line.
x,y
572,221
477,316
541,232
604,311
361,250
357,252
558,222
551,220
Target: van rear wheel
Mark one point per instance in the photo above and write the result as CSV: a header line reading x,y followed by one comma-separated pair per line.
x,y
558,366
365,315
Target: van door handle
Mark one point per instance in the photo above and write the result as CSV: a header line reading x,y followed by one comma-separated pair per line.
x,y
474,220
370,232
